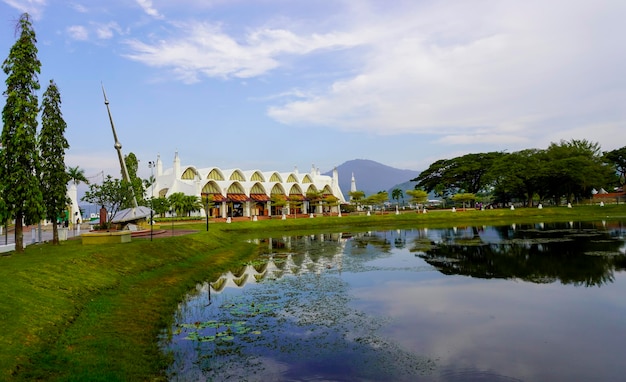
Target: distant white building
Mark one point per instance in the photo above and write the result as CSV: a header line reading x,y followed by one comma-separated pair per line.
x,y
237,192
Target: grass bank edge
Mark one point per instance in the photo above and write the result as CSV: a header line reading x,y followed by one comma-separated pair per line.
x,y
94,313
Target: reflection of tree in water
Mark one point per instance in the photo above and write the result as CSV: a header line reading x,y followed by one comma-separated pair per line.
x,y
379,239
581,255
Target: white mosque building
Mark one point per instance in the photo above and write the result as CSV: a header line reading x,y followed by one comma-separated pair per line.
x,y
247,193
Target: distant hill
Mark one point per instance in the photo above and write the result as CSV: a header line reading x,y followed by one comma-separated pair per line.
x,y
371,177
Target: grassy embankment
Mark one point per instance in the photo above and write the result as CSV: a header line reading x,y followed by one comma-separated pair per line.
x,y
74,312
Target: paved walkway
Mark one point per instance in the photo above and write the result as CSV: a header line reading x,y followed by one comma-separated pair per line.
x,y
34,235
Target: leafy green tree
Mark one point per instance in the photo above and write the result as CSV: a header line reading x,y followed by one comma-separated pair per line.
x,y
464,197
575,168
356,197
618,159
112,194
278,202
520,175
396,194
19,160
295,202
377,199
417,196
161,206
330,201
314,197
77,175
52,146
468,173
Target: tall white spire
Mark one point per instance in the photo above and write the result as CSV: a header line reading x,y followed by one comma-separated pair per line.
x,y
353,184
176,166
159,165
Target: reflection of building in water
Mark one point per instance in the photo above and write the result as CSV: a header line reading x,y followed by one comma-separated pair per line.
x,y
286,262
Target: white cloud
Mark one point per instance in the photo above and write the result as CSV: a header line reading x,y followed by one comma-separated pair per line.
x,y
33,7
147,7
80,8
204,50
106,31
78,32
456,70
503,73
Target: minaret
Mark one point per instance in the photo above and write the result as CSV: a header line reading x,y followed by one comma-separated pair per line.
x,y
118,148
159,165
353,185
177,173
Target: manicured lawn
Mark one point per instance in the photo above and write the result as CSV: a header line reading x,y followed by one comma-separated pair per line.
x,y
74,312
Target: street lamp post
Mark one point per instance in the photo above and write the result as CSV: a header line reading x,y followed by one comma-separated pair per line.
x,y
151,166
206,211
172,213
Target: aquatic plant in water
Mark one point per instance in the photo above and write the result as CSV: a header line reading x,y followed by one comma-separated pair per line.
x,y
292,326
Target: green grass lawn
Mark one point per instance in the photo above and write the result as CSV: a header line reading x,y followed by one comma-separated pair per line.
x,y
74,312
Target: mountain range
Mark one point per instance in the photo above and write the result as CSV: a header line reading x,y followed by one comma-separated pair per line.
x,y
372,177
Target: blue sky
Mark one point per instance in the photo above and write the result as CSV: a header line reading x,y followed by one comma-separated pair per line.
x,y
273,84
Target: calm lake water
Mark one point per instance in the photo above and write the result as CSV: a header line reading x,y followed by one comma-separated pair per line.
x,y
541,302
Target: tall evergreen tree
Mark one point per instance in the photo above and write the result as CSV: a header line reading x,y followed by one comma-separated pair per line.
x,y
132,165
52,146
19,162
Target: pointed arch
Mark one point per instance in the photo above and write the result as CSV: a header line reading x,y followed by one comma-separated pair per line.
x,y
215,174
257,176
278,190
237,175
307,179
310,188
275,177
211,187
163,192
257,189
190,173
292,178
295,190
235,188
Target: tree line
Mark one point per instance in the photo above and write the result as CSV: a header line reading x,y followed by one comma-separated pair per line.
x,y
565,171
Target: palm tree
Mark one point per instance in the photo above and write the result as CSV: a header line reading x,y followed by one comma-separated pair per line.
x,y
177,202
190,204
396,194
77,175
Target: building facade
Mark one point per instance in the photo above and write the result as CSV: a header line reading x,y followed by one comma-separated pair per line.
x,y
248,193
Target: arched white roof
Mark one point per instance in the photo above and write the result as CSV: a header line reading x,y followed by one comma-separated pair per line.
x,y
213,173
273,176
190,173
254,176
